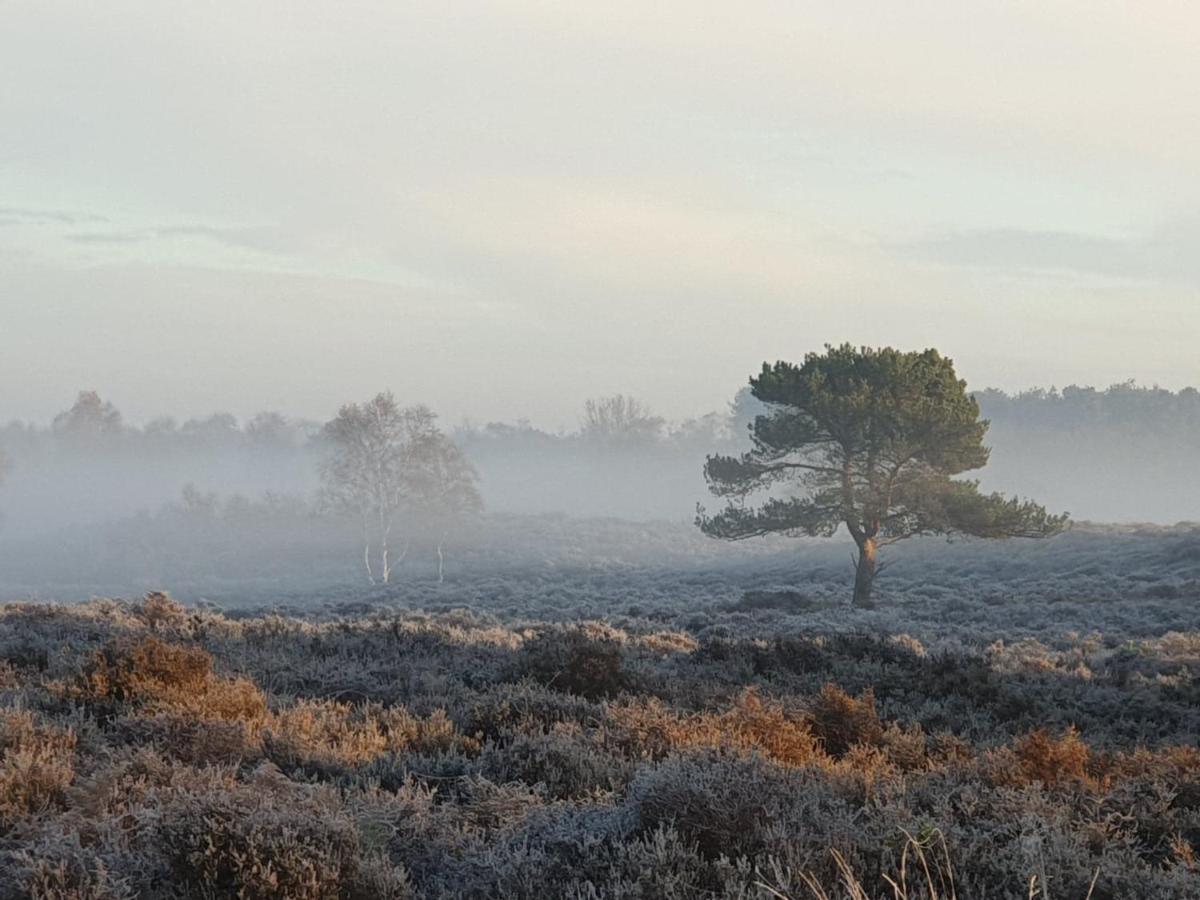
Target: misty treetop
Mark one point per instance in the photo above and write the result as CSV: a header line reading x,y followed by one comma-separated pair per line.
x,y
89,416
868,439
620,419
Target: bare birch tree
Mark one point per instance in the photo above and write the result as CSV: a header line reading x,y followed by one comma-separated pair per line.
x,y
369,470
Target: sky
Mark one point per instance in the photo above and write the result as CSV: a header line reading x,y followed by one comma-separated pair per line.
x,y
502,208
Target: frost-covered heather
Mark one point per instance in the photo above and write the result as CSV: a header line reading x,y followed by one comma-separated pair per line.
x,y
652,727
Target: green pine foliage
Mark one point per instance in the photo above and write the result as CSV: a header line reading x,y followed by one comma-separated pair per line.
x,y
871,440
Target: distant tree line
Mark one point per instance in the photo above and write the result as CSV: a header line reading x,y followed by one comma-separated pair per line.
x,y
93,424
615,421
90,464
1125,408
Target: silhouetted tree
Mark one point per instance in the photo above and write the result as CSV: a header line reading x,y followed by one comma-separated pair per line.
x,y
619,419
873,437
370,467
161,427
270,431
215,431
88,417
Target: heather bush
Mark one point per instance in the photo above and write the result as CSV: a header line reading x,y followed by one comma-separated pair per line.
x,y
36,766
157,675
58,867
198,742
505,708
650,729
145,670
588,853
270,838
840,721
745,806
582,660
564,763
160,612
722,804
329,737
1044,758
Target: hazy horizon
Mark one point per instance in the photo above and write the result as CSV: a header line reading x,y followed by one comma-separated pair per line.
x,y
140,418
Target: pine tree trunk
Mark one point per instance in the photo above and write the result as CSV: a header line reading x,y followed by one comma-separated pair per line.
x,y
864,576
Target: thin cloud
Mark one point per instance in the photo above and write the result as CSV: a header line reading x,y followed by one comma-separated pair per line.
x,y
1169,254
268,240
20,215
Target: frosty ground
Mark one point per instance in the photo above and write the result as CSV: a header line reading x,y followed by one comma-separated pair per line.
x,y
627,713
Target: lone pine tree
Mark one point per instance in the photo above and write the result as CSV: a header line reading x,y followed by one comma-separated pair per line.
x,y
870,439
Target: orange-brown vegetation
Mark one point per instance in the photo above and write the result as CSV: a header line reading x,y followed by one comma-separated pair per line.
x,y
152,751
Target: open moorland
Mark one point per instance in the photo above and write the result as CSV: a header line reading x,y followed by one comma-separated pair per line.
x,y
614,451
1012,720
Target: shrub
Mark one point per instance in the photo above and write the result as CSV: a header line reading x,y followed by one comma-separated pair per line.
x,y
58,867
738,805
841,721
198,742
161,676
708,800
649,729
36,765
9,678
577,660
483,804
1050,760
268,839
506,708
907,748
565,763
147,669
160,612
325,736
1039,757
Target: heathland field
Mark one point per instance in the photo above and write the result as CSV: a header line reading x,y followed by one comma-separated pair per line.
x,y
1013,720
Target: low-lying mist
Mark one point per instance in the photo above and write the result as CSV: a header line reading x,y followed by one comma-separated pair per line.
x,y
91,500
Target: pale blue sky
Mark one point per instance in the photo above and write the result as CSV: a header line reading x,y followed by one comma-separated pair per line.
x,y
503,208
